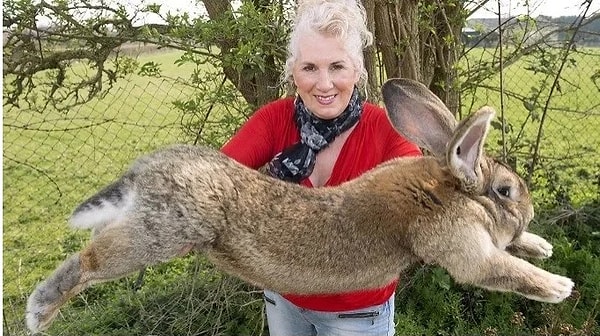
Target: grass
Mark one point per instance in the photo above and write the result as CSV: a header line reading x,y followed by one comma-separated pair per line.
x,y
49,170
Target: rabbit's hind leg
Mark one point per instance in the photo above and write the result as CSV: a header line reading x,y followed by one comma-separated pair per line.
x,y
114,253
43,304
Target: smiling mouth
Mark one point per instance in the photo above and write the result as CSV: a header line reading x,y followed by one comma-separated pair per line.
x,y
325,100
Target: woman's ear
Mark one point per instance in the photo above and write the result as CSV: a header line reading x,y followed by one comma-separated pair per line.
x,y
356,75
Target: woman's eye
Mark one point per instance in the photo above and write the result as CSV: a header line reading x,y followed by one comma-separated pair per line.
x,y
309,68
503,191
337,67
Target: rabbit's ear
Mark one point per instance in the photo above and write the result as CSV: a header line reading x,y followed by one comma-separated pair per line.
x,y
466,148
418,114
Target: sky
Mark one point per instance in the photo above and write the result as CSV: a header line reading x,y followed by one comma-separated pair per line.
x,y
512,7
552,8
508,7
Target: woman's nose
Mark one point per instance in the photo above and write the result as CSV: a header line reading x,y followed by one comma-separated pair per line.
x,y
324,81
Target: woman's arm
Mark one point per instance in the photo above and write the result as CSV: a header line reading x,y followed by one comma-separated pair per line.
x,y
254,144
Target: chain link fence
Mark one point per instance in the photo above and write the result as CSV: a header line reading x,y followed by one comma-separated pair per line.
x,y
53,160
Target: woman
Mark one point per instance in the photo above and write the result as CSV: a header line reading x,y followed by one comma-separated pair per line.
x,y
324,136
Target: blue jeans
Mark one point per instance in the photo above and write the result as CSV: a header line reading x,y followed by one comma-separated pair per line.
x,y
286,319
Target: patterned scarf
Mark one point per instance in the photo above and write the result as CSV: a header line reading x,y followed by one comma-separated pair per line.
x,y
298,161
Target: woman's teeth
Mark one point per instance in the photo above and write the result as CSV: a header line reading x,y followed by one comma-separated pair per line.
x,y
325,99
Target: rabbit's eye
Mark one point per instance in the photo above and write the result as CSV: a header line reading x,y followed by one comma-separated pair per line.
x,y
503,191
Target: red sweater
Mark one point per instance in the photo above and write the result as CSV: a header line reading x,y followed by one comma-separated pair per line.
x,y
373,141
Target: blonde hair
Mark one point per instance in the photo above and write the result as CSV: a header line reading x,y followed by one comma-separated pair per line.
x,y
343,19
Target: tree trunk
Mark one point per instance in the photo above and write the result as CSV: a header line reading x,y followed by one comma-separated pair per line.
x,y
419,40
257,87
448,22
370,56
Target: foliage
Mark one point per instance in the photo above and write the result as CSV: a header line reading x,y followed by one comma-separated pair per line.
x,y
36,57
235,77
430,303
246,45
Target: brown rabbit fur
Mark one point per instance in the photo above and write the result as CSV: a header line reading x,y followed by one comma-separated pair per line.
x,y
458,209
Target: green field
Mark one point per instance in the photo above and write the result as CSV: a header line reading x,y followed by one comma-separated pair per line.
x,y
52,161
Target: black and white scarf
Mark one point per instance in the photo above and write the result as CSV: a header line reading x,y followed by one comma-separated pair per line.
x,y
298,161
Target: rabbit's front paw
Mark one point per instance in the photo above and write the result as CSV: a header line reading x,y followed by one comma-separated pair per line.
x,y
561,288
531,245
540,246
557,288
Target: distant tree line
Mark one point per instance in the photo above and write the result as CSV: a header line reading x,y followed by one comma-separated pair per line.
x,y
485,32
588,34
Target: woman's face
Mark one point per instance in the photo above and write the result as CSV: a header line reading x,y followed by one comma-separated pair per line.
x,y
324,75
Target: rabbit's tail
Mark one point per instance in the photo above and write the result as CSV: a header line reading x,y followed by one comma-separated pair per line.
x,y
108,205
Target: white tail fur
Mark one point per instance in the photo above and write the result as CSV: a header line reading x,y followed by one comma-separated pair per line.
x,y
104,208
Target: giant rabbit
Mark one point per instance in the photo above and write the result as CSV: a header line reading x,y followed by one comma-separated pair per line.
x,y
458,209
